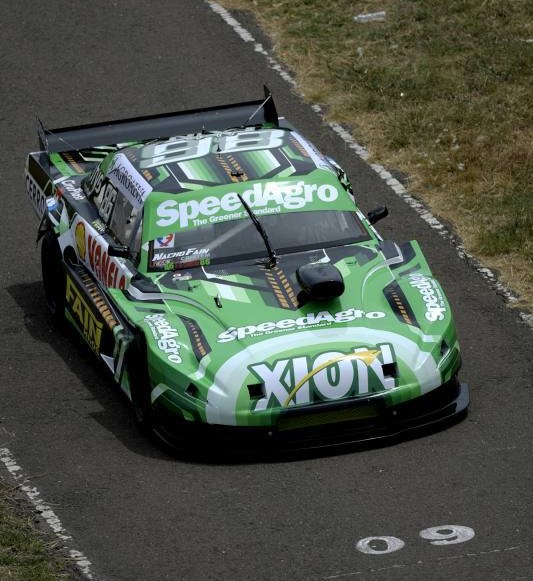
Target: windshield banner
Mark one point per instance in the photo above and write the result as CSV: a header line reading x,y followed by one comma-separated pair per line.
x,y
165,214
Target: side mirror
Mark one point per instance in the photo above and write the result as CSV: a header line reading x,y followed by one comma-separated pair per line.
x,y
377,214
119,251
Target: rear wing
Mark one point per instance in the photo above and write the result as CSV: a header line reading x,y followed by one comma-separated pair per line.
x,y
158,126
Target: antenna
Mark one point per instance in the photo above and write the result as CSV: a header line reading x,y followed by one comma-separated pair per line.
x,y
257,110
41,132
271,115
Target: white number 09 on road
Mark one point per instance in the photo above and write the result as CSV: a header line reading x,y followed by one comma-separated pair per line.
x,y
441,535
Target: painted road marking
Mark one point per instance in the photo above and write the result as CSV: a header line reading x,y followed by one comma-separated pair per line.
x,y
448,534
441,535
34,496
396,186
374,545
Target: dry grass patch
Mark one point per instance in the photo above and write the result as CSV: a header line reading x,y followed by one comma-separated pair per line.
x,y
24,554
439,90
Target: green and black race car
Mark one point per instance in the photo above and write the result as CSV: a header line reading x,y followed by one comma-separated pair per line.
x,y
218,265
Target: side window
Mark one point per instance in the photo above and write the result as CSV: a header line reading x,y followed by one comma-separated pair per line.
x,y
104,199
122,220
134,242
125,223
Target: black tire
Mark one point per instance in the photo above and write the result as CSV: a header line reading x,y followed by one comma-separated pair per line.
x,y
54,278
147,418
140,384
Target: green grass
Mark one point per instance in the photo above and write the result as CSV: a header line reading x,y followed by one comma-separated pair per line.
x,y
440,91
25,555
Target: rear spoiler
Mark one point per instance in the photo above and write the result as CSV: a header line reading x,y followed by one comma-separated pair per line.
x,y
158,126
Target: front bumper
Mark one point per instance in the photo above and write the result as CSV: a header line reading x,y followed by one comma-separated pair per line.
x,y
325,425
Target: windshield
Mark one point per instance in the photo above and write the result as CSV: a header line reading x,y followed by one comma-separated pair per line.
x,y
239,239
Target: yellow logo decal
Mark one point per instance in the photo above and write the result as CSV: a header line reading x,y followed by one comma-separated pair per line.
x,y
367,357
87,322
80,239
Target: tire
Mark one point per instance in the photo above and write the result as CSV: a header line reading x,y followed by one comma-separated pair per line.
x,y
54,278
140,384
146,417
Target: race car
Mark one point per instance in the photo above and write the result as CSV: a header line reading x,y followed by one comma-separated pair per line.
x,y
218,265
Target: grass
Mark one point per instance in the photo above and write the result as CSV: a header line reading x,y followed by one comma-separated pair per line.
x,y
25,555
440,91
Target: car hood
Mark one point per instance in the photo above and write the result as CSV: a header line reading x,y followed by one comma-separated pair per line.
x,y
258,342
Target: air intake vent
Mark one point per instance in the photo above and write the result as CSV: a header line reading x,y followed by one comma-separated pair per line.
x,y
256,390
193,391
321,281
390,370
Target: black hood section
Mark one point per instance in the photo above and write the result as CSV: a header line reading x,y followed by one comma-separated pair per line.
x,y
279,286
320,280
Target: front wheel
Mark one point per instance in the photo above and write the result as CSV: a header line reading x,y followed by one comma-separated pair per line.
x,y
140,384
54,278
149,419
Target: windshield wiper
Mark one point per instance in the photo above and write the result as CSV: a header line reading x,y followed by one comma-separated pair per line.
x,y
272,258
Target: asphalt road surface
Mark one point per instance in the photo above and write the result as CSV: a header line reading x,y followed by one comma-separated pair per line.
x,y
138,514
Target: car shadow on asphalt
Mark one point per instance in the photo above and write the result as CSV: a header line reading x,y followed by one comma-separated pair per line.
x,y
116,416
68,345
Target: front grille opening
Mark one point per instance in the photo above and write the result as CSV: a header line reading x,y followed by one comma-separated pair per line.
x,y
444,348
257,390
363,415
193,391
390,370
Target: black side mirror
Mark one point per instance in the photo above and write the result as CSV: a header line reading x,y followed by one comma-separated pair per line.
x,y
119,251
377,214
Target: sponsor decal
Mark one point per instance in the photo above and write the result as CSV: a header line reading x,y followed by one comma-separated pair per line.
x,y
36,195
108,195
75,192
105,268
329,376
227,390
313,152
177,259
178,149
431,295
164,242
83,315
192,262
79,235
262,198
99,226
320,319
165,336
52,204
95,181
98,186
92,249
123,175
193,253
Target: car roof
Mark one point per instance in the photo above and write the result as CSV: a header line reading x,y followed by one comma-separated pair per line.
x,y
205,160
